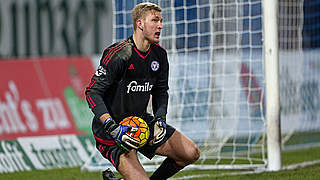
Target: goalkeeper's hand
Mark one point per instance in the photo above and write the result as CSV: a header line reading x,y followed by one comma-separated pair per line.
x,y
159,130
119,134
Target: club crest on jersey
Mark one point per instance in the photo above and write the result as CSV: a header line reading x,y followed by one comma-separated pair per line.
x,y
101,71
155,65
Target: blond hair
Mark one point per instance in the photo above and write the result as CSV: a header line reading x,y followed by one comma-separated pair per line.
x,y
140,11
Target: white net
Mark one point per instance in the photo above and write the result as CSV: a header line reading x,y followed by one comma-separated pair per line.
x,y
216,80
215,50
299,43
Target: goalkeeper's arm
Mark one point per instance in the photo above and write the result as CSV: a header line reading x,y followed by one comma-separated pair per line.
x,y
104,117
160,98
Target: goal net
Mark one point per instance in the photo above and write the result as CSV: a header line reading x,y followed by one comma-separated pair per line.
x,y
217,84
299,50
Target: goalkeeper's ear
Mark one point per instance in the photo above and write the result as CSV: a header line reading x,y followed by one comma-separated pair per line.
x,y
139,24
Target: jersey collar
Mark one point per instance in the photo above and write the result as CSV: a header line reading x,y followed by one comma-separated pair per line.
x,y
143,55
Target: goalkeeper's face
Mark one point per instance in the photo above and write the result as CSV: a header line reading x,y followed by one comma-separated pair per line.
x,y
152,25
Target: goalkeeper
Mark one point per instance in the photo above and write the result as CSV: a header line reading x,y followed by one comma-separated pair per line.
x,y
130,72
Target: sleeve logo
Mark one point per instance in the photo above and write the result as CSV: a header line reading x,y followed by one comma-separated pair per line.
x,y
100,71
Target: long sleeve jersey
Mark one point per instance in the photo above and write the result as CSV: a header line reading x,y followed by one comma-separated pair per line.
x,y
125,79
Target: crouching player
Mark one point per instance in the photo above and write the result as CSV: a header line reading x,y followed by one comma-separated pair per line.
x,y
130,72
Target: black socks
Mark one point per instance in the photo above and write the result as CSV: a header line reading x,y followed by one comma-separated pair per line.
x,y
167,169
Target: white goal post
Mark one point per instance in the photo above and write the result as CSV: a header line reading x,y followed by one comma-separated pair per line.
x,y
225,91
271,56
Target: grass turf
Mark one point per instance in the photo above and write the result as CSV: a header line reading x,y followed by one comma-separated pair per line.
x,y
288,158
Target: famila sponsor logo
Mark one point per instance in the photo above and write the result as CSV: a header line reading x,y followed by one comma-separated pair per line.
x,y
133,86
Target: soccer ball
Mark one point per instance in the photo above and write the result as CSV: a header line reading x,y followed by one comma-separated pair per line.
x,y
142,130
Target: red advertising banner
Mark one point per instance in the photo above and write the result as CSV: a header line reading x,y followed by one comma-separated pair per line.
x,y
35,95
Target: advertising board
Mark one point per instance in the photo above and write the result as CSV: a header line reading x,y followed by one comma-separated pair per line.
x,y
44,96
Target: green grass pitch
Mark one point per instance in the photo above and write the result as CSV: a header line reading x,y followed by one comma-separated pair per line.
x,y
288,158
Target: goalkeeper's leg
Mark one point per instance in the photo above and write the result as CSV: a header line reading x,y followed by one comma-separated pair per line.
x,y
180,152
126,163
130,167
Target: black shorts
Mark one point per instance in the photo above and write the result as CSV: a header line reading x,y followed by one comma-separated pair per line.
x,y
112,152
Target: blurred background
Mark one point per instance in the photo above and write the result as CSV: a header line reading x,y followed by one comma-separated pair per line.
x,y
33,28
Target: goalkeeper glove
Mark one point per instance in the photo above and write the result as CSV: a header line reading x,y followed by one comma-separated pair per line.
x,y
159,130
119,134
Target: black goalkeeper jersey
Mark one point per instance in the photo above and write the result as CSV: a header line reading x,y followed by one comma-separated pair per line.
x,y
124,81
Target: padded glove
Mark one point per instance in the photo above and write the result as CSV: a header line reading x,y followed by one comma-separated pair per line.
x,y
159,131
121,134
